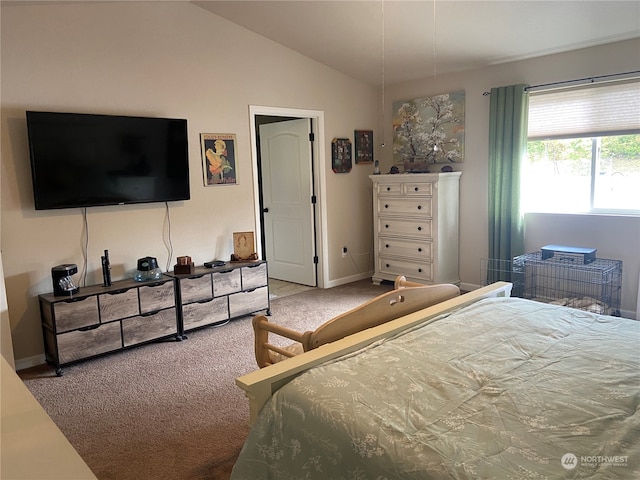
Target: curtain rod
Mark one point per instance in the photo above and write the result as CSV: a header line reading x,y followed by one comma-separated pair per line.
x,y
580,80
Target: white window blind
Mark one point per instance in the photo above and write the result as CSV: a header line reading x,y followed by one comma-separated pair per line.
x,y
591,110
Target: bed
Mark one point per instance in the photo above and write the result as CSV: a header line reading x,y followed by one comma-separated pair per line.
x,y
479,386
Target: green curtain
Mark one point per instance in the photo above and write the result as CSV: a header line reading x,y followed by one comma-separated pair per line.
x,y
508,118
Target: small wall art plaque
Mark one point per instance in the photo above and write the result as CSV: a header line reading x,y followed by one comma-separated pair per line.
x,y
341,155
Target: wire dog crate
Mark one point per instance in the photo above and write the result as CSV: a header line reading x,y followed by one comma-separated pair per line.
x,y
561,280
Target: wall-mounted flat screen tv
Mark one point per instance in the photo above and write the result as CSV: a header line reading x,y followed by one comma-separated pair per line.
x,y
86,160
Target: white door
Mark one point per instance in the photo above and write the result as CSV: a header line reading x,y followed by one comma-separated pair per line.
x,y
287,183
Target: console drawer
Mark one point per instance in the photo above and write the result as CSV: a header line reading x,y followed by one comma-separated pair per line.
x,y
243,303
117,305
254,276
156,297
149,327
196,289
227,282
198,314
81,344
73,314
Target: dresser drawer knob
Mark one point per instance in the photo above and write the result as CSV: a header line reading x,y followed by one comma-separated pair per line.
x,y
386,226
419,270
386,246
386,206
419,249
388,189
387,265
419,207
416,189
419,229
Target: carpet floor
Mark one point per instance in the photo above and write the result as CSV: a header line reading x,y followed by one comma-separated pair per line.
x,y
171,410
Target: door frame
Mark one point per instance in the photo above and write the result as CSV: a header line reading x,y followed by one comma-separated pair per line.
x,y
319,178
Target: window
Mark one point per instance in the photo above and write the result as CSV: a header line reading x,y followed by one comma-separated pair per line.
x,y
584,150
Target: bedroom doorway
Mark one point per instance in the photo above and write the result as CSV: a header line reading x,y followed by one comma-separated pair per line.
x,y
289,192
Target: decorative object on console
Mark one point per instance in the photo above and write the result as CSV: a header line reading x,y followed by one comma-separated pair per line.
x,y
62,281
364,146
428,130
219,158
147,270
341,155
243,247
184,265
215,263
106,269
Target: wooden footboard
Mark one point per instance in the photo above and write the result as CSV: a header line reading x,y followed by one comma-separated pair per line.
x,y
261,384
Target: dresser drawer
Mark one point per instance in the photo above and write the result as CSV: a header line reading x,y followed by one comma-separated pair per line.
x,y
87,343
200,314
405,206
73,314
420,250
254,276
120,304
418,188
395,226
196,289
156,297
413,269
227,282
149,327
243,303
389,189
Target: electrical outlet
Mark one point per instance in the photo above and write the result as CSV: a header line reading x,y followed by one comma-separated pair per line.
x,y
344,252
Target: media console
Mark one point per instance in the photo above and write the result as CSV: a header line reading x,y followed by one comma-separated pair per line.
x,y
99,320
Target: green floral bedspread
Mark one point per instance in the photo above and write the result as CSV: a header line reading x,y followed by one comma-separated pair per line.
x,y
503,389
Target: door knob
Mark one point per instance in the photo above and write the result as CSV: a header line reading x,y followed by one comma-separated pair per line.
x,y
265,210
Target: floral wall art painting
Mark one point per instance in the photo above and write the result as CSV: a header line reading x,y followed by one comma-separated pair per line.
x,y
428,131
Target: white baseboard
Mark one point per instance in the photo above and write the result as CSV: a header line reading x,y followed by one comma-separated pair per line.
x,y
24,363
350,279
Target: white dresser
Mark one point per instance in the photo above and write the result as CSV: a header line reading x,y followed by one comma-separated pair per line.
x,y
415,222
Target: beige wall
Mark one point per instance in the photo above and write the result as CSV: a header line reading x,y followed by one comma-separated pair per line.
x,y
174,59
159,59
615,237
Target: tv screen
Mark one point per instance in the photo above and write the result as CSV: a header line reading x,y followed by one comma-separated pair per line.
x,y
85,160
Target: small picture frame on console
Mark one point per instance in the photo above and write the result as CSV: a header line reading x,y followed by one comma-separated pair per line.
x,y
243,247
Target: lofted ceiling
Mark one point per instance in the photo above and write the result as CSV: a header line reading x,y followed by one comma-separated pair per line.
x,y
429,38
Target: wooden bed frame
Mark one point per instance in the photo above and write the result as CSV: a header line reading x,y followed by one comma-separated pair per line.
x,y
261,384
407,297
